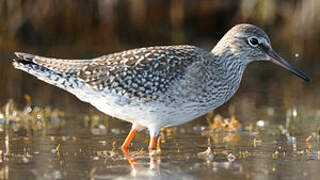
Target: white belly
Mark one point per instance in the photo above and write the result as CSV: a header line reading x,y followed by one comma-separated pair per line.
x,y
152,114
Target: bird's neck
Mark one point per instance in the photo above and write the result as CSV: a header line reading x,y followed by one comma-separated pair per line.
x,y
229,61
231,50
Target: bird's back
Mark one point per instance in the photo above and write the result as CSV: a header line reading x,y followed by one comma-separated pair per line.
x,y
143,73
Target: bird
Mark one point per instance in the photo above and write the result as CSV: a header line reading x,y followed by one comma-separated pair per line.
x,y
160,86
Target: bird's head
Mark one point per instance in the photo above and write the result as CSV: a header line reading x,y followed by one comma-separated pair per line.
x,y
249,43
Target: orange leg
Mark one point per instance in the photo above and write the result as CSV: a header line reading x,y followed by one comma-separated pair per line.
x,y
158,144
155,143
152,143
131,159
128,140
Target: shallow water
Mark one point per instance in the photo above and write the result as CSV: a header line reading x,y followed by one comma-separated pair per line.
x,y
74,148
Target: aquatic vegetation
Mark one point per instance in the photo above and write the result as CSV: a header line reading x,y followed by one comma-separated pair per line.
x,y
29,117
218,123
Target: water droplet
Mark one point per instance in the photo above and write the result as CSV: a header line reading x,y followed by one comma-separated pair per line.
x,y
25,159
64,138
292,139
39,116
28,109
231,157
56,174
260,123
103,142
115,131
54,151
294,112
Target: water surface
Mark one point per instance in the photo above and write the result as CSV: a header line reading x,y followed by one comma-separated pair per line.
x,y
87,147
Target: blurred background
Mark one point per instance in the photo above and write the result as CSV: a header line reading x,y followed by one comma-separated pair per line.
x,y
279,114
86,29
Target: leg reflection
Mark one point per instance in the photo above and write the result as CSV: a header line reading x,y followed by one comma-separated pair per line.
x,y
143,168
131,159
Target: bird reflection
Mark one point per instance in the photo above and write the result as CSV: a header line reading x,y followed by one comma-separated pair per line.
x,y
139,169
154,164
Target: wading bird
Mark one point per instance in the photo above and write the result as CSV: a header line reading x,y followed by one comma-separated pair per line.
x,y
162,86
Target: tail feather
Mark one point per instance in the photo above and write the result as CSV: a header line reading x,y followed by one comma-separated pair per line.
x,y
62,66
36,66
24,56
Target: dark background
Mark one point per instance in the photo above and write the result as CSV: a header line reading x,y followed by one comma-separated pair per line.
x,y
85,29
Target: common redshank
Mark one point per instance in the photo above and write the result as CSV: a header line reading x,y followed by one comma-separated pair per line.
x,y
162,86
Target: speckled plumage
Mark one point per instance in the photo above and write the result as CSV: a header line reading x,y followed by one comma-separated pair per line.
x,y
159,86
139,73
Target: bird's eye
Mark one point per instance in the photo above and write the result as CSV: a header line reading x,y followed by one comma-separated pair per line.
x,y
253,41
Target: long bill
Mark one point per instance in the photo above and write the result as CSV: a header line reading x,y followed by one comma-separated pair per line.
x,y
277,59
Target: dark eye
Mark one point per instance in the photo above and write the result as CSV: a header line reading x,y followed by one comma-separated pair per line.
x,y
253,41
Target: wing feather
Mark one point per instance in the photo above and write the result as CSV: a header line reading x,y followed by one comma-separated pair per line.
x,y
140,72
62,66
